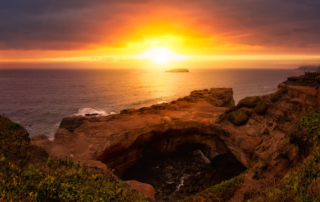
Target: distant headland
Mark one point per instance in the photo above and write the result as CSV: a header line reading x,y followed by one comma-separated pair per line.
x,y
177,70
310,68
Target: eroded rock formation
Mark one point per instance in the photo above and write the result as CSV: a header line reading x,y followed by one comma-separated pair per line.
x,y
120,140
192,123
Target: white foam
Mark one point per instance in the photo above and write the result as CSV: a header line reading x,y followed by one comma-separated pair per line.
x,y
53,131
202,156
182,181
163,102
84,111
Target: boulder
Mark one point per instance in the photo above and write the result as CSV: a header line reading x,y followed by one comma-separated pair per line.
x,y
144,188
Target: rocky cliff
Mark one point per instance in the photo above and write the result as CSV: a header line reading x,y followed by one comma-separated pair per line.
x,y
270,119
206,121
119,140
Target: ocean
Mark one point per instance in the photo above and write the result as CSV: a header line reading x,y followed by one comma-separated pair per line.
x,y
40,99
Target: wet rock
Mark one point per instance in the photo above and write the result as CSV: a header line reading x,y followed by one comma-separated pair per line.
x,y
170,188
183,192
201,181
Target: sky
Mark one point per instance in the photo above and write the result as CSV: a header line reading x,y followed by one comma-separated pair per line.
x,y
178,33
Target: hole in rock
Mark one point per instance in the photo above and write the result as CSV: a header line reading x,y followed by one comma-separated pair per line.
x,y
176,176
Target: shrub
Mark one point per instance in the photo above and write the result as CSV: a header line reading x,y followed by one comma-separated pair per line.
x,y
306,131
223,191
11,126
278,94
248,102
261,107
239,116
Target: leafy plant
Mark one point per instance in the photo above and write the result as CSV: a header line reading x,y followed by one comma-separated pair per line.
x,y
239,117
220,192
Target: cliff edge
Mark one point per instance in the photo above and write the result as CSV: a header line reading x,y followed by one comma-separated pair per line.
x,y
255,134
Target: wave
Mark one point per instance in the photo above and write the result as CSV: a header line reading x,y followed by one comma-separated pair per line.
x,y
78,86
84,111
53,131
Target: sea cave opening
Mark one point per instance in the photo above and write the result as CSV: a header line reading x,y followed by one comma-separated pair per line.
x,y
191,169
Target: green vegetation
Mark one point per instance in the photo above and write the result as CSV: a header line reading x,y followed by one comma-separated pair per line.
x,y
239,116
303,184
220,192
261,107
248,102
27,174
278,94
307,129
11,126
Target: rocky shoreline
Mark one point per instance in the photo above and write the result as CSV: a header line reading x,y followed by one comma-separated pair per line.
x,y
206,121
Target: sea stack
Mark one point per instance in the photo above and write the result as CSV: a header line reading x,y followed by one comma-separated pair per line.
x,y
177,70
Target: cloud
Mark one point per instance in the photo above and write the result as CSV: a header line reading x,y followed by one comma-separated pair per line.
x,y
83,24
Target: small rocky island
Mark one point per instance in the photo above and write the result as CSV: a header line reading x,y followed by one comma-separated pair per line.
x,y
177,70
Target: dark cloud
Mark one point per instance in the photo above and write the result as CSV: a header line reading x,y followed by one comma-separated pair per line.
x,y
73,24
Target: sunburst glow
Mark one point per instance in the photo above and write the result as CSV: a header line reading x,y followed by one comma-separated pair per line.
x,y
161,55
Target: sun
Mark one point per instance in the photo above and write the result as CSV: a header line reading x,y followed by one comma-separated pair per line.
x,y
161,55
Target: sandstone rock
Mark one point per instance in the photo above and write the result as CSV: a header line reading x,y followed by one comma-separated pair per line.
x,y
146,189
71,123
40,141
231,109
96,165
128,111
39,137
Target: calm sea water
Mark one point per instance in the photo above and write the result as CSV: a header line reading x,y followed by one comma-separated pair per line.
x,y
39,99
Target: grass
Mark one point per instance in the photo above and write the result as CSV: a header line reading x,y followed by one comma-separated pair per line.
x,y
302,184
220,192
27,174
239,117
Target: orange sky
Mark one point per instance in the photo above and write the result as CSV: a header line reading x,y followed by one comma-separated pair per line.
x,y
212,33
